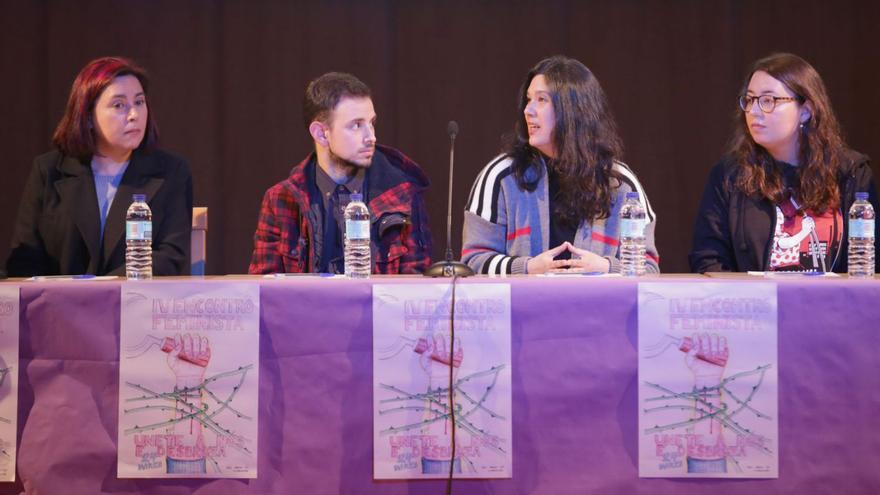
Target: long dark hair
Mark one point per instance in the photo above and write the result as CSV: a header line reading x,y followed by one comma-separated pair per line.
x,y
584,136
75,135
820,143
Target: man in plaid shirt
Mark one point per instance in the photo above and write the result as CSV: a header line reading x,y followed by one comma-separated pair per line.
x,y
301,224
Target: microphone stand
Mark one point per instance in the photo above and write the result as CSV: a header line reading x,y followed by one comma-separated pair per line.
x,y
449,267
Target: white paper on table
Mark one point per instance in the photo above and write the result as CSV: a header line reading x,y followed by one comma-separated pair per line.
x,y
708,391
412,356
9,326
188,382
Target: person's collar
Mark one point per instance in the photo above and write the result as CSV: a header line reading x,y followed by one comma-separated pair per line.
x,y
117,170
326,185
356,183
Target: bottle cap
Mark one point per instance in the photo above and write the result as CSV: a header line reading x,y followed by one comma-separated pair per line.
x,y
861,196
139,198
356,197
632,195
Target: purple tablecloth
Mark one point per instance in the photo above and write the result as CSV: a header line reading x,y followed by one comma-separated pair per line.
x,y
574,391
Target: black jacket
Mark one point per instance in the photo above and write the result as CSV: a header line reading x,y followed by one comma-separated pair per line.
x,y
58,230
734,232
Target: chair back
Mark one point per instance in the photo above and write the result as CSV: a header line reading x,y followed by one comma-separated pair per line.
x,y
198,244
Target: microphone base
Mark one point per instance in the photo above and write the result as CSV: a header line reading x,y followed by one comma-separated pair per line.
x,y
448,269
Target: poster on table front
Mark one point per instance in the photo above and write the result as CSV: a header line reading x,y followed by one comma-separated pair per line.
x,y
188,361
9,295
415,356
708,391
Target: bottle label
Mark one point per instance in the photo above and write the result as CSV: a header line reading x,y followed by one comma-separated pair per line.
x,y
357,229
138,231
632,227
860,227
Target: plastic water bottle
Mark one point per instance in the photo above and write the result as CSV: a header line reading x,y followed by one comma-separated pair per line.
x,y
633,220
860,257
139,239
357,238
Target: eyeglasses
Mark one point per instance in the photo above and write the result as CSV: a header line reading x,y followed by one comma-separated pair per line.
x,y
767,103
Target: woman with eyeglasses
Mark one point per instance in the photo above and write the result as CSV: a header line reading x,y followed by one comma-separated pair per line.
x,y
71,220
778,200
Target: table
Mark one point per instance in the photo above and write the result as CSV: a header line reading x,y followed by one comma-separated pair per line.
x,y
574,390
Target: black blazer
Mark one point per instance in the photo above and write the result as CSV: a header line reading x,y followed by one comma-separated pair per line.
x,y
58,229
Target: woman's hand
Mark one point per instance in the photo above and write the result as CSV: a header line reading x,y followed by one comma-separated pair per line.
x,y
581,261
544,261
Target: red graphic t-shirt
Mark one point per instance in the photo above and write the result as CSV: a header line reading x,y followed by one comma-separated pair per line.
x,y
804,240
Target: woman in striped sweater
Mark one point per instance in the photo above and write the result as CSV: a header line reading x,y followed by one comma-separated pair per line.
x,y
551,201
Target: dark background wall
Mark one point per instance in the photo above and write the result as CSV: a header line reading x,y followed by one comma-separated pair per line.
x,y
228,78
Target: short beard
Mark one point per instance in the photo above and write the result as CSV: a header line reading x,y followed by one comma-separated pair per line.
x,y
338,160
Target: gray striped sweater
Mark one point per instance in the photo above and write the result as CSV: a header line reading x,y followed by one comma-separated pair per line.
x,y
505,226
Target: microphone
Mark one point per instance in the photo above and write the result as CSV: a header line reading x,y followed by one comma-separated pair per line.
x,y
452,130
449,267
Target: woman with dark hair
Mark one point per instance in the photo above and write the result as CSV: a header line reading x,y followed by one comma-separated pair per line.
x,y
72,214
779,199
551,201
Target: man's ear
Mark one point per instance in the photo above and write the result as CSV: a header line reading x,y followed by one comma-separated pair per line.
x,y
319,132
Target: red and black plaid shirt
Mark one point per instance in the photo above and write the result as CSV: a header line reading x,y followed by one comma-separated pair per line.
x,y
401,237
